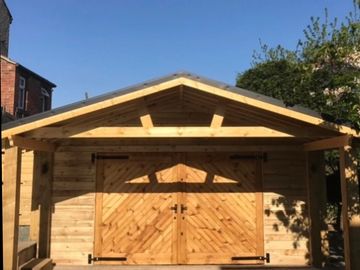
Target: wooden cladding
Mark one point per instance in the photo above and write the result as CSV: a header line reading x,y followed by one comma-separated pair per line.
x,y
283,175
178,209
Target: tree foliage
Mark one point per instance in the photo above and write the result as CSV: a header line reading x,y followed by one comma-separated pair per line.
x,y
322,73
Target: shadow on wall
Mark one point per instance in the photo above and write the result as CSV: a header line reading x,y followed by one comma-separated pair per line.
x,y
292,215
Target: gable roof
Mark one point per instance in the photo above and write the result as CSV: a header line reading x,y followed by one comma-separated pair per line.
x,y
161,84
25,69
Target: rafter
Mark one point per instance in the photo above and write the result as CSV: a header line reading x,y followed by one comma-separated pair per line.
x,y
92,107
239,96
269,104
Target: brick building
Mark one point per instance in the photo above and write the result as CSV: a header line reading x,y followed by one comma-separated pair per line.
x,y
5,21
23,92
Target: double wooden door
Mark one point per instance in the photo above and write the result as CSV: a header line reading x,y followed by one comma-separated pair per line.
x,y
178,208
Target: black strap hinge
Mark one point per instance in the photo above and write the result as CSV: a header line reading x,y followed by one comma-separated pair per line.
x,y
246,258
96,259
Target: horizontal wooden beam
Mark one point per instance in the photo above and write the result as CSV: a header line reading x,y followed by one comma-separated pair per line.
x,y
179,148
330,143
30,144
158,132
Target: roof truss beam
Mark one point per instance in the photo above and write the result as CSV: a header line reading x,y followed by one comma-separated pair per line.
x,y
178,148
268,104
242,97
158,132
93,107
326,144
29,144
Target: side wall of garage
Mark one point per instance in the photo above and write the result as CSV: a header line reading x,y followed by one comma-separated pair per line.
x,y
286,221
72,230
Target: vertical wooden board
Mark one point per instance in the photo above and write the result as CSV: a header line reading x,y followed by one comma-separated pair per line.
x,y
27,164
11,206
98,207
221,213
45,178
350,203
176,219
316,182
35,199
181,225
259,208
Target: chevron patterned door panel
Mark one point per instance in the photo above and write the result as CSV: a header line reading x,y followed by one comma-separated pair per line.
x,y
221,210
177,209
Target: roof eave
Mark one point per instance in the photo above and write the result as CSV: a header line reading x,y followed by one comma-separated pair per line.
x,y
192,77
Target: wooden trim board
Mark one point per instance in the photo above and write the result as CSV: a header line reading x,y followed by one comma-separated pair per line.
x,y
252,99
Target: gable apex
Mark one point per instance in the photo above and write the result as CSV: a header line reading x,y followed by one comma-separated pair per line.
x,y
191,80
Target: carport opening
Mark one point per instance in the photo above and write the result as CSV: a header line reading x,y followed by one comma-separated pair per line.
x,y
333,219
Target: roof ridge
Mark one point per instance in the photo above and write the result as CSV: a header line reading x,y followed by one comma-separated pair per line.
x,y
179,74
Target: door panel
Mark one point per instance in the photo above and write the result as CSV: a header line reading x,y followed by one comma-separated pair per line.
x,y
218,214
134,217
221,216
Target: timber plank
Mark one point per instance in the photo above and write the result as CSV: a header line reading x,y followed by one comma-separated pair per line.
x,y
11,206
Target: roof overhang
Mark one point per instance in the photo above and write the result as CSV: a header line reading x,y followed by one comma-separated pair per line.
x,y
151,87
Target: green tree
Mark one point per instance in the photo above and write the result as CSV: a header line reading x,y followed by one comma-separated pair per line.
x,y
322,73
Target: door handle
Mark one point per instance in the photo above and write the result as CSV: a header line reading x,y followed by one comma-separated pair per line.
x,y
175,207
182,208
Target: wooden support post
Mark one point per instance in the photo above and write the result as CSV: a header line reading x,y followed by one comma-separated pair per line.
x,y
350,207
11,206
317,207
41,201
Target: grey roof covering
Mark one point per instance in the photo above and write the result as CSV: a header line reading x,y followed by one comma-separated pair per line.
x,y
153,82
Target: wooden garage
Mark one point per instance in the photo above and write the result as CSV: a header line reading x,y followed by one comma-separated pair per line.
x,y
178,170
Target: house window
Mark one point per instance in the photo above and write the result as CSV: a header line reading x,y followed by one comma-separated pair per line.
x,y
21,98
44,99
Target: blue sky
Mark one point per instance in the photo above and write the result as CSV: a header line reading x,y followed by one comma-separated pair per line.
x,y
98,46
